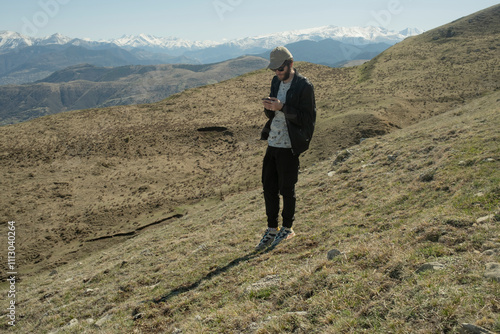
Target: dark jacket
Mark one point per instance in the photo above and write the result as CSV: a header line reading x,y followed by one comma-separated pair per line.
x,y
299,110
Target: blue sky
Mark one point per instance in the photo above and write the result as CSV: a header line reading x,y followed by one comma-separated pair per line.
x,y
218,20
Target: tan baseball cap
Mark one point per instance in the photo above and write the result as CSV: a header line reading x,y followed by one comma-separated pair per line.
x,y
278,56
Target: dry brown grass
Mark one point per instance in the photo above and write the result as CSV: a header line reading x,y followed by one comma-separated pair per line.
x,y
195,273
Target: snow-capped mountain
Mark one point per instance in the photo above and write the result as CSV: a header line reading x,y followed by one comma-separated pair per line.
x,y
350,35
53,39
174,45
10,40
13,40
143,40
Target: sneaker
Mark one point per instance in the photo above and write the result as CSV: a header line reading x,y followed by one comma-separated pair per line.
x,y
268,238
285,233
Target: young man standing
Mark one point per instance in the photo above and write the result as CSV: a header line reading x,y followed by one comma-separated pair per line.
x,y
291,109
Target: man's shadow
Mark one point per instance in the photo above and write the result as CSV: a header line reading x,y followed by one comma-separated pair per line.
x,y
217,271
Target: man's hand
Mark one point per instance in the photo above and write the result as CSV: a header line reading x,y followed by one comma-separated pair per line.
x,y
272,103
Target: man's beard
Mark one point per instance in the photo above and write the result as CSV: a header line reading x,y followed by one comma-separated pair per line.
x,y
287,74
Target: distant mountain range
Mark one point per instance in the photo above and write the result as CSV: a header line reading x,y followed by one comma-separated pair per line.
x,y
26,59
88,86
350,35
176,46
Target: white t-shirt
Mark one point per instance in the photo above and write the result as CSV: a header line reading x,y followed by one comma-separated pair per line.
x,y
278,137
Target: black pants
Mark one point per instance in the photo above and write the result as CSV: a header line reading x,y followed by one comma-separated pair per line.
x,y
280,172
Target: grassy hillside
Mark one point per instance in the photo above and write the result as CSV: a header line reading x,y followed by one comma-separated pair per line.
x,y
198,273
145,217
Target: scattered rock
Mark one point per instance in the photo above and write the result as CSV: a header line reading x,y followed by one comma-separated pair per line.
x,y
473,329
136,314
341,157
430,266
333,254
490,245
266,282
490,252
300,313
146,252
485,219
493,271
72,323
104,319
88,291
330,174
253,326
467,163
201,249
